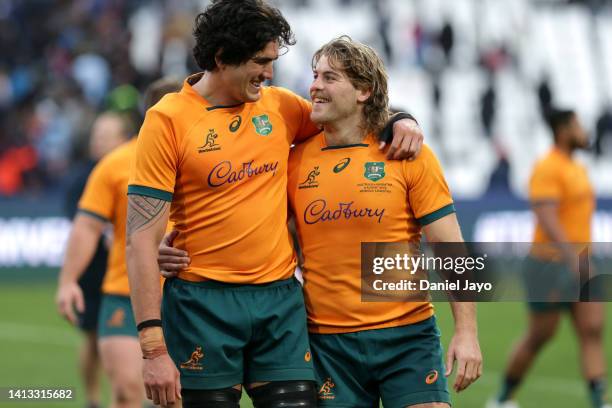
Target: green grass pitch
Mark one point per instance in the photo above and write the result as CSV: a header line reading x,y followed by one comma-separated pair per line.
x,y
38,349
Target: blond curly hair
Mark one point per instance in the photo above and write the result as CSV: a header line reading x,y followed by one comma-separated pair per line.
x,y
366,71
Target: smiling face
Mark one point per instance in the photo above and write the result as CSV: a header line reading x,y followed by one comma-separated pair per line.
x,y
334,97
243,82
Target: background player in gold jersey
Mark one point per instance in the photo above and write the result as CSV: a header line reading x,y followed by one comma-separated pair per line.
x,y
109,130
364,352
104,201
217,151
563,201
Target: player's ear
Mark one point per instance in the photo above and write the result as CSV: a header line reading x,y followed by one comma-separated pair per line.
x,y
218,62
363,95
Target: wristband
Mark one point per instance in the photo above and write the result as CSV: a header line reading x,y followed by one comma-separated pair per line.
x,y
152,343
386,134
149,323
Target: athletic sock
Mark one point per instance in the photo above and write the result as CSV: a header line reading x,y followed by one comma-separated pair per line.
x,y
508,387
597,390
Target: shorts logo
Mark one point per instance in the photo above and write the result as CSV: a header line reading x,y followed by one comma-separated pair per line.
x,y
307,356
194,361
325,392
209,143
311,181
432,377
262,125
374,171
235,124
117,319
342,165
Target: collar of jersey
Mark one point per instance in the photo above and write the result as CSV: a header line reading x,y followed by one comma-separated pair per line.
x,y
365,143
561,154
189,91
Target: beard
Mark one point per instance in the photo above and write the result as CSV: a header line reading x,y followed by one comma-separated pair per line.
x,y
578,144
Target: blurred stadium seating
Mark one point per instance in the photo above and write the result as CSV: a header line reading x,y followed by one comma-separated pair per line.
x,y
470,70
476,73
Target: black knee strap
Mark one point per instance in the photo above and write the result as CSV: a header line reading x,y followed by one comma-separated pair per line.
x,y
285,394
224,398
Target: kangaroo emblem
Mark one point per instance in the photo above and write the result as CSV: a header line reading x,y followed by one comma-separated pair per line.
x,y
311,176
326,388
209,142
194,360
210,138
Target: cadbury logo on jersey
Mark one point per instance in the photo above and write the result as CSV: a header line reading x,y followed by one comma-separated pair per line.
x,y
224,173
317,211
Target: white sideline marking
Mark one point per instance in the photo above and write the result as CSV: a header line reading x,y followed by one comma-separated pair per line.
x,y
36,334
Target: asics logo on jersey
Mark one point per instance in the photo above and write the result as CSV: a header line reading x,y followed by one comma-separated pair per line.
x,y
235,124
342,165
317,211
209,142
224,173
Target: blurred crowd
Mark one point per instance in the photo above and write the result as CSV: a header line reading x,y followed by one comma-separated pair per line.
x,y
65,61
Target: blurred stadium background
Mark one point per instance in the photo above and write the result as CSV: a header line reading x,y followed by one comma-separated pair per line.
x,y
476,73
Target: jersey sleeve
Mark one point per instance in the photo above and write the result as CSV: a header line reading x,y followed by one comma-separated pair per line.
x,y
155,165
544,183
428,193
98,198
296,111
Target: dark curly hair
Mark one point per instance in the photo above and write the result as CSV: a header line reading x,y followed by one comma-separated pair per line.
x,y
237,30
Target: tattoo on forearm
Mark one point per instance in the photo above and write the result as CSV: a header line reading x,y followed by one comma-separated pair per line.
x,y
143,212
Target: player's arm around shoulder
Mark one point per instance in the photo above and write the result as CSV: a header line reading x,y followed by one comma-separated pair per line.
x,y
464,347
404,136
